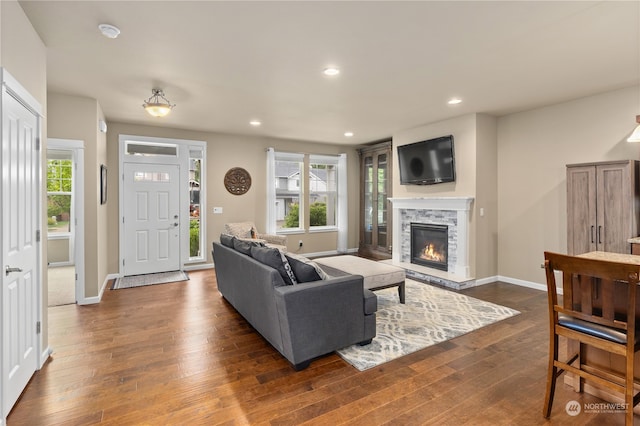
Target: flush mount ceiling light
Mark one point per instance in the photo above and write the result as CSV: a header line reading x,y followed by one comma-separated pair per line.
x,y
635,136
331,71
454,101
348,134
255,123
157,105
109,31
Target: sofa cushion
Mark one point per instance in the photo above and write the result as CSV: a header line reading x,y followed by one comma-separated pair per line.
x,y
277,260
226,240
244,246
304,269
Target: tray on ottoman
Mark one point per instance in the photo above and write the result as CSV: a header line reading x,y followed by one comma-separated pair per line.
x,y
377,275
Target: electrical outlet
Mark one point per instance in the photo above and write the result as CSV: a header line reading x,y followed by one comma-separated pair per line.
x,y
300,243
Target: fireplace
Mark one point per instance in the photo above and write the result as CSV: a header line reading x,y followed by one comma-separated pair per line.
x,y
430,245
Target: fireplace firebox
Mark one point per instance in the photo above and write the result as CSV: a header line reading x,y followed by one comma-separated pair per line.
x,y
430,245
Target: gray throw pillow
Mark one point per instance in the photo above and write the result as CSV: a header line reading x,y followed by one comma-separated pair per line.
x,y
244,246
274,258
305,270
226,240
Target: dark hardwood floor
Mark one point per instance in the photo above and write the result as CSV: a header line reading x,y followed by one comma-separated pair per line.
x,y
179,354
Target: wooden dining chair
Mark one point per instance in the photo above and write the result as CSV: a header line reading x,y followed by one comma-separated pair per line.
x,y
598,310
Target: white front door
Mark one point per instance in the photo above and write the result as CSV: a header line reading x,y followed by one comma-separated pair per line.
x,y
151,218
20,248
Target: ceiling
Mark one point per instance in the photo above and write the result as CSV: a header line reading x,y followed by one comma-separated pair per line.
x,y
226,63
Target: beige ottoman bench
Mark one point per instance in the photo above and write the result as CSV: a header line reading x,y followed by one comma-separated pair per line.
x,y
376,275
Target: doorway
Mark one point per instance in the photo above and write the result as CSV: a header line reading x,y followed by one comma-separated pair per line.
x,y
65,213
162,192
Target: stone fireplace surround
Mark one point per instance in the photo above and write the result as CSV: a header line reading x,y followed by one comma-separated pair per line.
x,y
451,211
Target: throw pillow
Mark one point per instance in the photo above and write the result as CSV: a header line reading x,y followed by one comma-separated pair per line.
x,y
274,258
226,240
305,270
244,246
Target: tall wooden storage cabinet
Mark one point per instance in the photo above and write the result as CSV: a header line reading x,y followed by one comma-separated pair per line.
x,y
602,206
375,190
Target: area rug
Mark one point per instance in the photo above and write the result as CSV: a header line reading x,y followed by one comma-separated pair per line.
x,y
149,279
431,315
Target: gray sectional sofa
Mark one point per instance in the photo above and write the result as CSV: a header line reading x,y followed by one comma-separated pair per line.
x,y
302,320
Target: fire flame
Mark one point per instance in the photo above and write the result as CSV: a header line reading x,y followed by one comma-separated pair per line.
x,y
430,253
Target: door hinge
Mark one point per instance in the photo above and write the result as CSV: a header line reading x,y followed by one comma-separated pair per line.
x,y
37,144
38,327
76,277
38,236
122,262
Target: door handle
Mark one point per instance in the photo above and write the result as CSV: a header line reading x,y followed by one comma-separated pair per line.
x,y
599,234
8,269
175,224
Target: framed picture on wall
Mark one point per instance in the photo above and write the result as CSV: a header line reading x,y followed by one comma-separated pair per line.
x,y
103,184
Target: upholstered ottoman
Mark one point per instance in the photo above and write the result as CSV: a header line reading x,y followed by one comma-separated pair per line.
x,y
377,275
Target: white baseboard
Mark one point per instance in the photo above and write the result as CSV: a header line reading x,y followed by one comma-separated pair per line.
x,y
522,283
98,298
488,280
44,356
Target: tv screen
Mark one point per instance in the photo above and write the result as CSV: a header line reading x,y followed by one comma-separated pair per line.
x,y
427,162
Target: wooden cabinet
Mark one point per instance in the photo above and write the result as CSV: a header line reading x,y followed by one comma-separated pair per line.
x,y
602,206
375,190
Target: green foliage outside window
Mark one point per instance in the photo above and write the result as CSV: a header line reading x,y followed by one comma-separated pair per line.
x,y
194,238
317,215
59,179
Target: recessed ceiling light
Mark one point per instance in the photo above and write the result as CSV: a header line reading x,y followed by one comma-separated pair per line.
x,y
348,134
109,31
454,101
255,123
331,71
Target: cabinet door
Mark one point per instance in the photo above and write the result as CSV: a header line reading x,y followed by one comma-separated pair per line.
x,y
581,210
382,202
367,200
614,207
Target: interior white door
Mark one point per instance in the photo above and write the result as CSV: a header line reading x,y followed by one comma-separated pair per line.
x,y
20,248
151,218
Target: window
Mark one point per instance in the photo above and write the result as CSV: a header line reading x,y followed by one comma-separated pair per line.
x,y
288,177
59,191
316,198
195,222
323,191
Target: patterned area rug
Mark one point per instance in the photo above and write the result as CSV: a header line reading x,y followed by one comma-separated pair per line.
x,y
149,279
431,315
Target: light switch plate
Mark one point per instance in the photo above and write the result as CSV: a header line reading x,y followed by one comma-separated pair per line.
x,y
217,210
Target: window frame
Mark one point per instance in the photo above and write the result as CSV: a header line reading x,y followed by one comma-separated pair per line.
x,y
326,160
299,186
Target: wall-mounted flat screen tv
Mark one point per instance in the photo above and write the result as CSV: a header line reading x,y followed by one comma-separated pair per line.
x,y
427,162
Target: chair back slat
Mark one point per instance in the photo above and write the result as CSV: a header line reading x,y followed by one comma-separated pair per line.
x,y
608,303
585,294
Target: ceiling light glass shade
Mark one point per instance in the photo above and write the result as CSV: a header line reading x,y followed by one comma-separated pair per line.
x,y
635,136
157,105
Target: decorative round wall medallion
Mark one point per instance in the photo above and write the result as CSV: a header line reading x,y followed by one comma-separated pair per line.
x,y
237,181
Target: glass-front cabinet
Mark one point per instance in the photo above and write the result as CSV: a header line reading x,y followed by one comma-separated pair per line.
x,y
375,217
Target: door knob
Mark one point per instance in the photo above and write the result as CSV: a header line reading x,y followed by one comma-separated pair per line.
x,y
175,224
8,269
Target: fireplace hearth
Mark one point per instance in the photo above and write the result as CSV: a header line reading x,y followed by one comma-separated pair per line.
x,y
429,245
